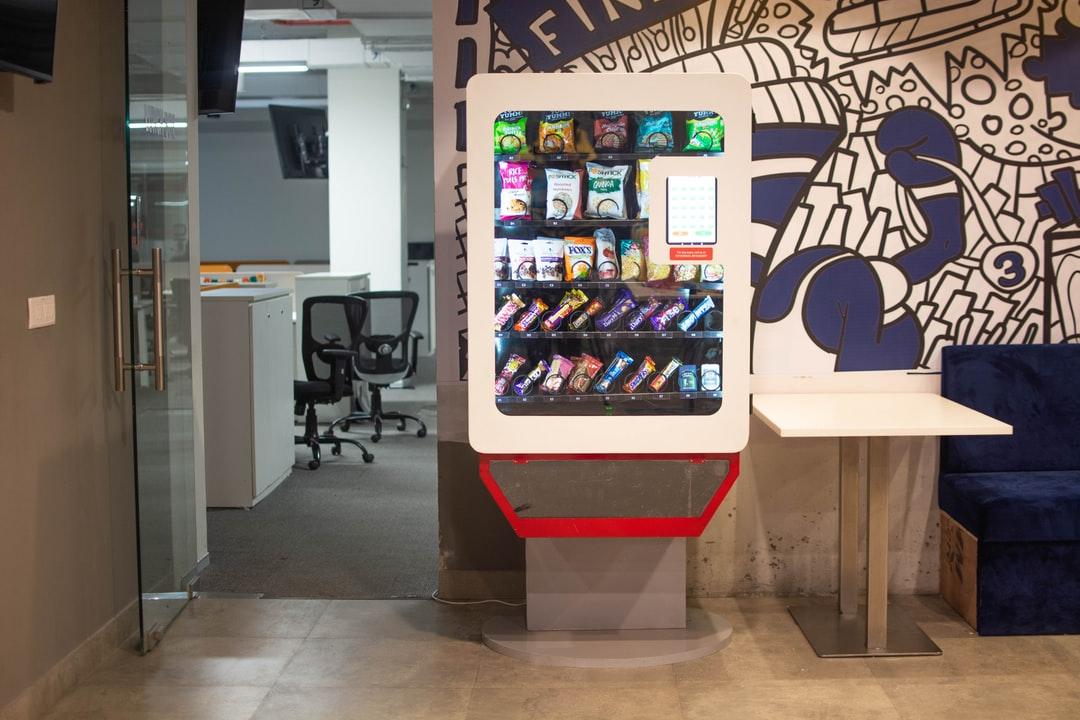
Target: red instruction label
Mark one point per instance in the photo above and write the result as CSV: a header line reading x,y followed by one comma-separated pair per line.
x,y
691,254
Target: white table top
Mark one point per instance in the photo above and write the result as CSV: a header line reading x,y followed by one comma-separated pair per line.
x,y
245,293
872,415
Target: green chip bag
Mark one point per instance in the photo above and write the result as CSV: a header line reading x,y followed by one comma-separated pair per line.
x,y
510,133
704,131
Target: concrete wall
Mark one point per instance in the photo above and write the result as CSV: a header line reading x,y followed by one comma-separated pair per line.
x,y
67,517
247,210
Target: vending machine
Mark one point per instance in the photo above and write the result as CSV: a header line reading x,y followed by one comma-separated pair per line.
x,y
609,312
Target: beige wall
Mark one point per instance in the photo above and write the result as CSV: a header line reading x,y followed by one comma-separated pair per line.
x,y
67,536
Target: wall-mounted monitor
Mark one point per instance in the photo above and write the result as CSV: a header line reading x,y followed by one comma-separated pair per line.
x,y
221,30
28,37
301,135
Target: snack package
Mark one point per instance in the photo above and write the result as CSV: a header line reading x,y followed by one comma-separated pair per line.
x,y
615,368
655,131
647,367
563,194
643,312
508,310
585,369
523,385
557,133
611,131
607,191
515,196
549,259
710,377
571,301
665,317
704,131
633,260
532,314
687,323
607,261
684,273
688,378
522,260
557,374
510,133
591,310
657,383
656,272
502,259
624,303
641,181
579,254
712,273
513,364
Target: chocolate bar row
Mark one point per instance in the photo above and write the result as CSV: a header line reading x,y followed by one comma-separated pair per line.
x,y
581,374
579,312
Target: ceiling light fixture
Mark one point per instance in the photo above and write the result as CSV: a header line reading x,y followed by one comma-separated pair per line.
x,y
273,68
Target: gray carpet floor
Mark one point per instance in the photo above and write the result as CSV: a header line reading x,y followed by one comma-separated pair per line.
x,y
346,530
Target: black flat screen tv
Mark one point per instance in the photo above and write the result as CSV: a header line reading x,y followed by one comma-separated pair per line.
x,y
301,136
221,30
28,37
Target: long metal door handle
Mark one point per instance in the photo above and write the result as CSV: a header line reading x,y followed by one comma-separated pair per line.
x,y
118,320
159,322
156,273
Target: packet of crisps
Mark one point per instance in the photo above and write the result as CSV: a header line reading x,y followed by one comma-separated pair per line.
x,y
705,131
510,133
633,260
557,133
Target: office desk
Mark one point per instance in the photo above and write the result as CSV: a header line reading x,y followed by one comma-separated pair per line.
x,y
862,422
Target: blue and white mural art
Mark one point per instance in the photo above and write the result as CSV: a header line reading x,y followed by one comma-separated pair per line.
x,y
910,157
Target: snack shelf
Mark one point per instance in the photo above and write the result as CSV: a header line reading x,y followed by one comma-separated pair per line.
x,y
612,398
543,158
582,223
611,335
607,285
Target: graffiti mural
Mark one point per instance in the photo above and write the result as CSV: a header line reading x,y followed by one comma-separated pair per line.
x,y
909,158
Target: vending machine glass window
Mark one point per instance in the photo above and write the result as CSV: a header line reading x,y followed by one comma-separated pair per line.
x,y
585,323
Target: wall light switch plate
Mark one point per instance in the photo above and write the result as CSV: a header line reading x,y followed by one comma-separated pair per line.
x,y
42,311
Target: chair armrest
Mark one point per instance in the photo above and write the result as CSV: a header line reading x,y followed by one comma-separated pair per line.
x,y
414,348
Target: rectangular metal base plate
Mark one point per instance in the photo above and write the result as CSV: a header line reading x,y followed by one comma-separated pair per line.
x,y
833,635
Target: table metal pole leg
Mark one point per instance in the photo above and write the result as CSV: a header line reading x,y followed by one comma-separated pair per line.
x,y
850,451
877,558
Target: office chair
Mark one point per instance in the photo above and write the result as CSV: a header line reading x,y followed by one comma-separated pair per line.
x,y
327,364
385,358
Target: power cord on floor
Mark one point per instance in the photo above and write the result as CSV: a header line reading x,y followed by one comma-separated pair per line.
x,y
436,598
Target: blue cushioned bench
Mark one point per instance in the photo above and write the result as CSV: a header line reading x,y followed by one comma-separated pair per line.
x,y
1010,505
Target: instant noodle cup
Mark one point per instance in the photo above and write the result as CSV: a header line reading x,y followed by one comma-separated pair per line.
x,y
549,259
522,260
523,385
618,365
647,368
513,364
585,369
633,260
515,195
557,133
571,301
563,194
607,191
607,260
557,374
657,383
705,132
611,131
655,132
579,254
502,259
510,133
509,308
532,314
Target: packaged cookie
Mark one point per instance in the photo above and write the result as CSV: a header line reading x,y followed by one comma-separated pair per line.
x,y
580,255
607,191
563,194
557,133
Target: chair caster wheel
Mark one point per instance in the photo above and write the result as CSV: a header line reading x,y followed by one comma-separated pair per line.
x,y
336,450
369,458
376,438
345,427
401,426
422,432
314,465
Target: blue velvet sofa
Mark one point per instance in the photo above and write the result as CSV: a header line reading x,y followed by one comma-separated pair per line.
x,y
1010,523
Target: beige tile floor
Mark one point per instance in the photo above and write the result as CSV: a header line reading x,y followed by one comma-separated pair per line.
x,y
228,659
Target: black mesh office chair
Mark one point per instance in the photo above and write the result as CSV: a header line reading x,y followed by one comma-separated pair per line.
x,y
386,353
327,365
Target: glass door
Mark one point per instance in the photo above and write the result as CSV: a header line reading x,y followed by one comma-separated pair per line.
x,y
157,370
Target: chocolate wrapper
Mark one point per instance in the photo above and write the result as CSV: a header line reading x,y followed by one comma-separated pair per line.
x,y
665,317
687,323
523,385
513,364
624,303
585,369
571,301
509,308
688,378
615,368
643,312
557,374
591,310
529,318
647,368
710,377
657,383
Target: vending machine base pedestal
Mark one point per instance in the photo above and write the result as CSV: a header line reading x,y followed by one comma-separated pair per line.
x,y
607,602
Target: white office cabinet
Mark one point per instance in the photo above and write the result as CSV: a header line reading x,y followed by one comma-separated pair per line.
x,y
247,380
420,278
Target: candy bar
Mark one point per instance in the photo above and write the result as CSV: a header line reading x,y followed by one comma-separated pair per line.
x,y
571,301
688,322
523,385
624,303
666,316
647,367
643,312
688,378
528,318
513,364
591,310
617,367
585,369
508,310
657,383
557,374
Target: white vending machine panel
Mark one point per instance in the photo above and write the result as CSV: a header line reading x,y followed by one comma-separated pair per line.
x,y
615,260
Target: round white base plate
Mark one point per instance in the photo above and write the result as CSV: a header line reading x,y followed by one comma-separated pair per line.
x,y
704,634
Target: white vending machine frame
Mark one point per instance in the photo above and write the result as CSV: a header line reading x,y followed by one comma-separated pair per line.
x,y
726,430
